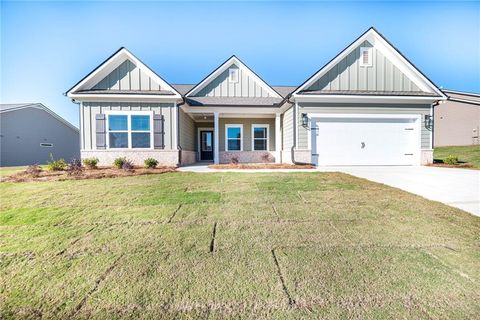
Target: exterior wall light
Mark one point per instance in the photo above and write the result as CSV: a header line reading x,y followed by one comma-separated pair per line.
x,y
304,120
428,121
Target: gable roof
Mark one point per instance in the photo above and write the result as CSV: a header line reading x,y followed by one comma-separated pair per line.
x,y
233,60
4,108
84,86
390,52
282,90
464,97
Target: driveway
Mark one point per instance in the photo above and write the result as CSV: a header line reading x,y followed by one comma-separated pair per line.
x,y
458,188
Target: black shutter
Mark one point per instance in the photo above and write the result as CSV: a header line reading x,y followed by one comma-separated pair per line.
x,y
100,131
158,131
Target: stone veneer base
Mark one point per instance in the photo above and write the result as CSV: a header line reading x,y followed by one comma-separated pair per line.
x,y
246,156
106,157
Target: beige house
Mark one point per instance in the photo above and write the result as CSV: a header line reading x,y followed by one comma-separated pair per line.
x,y
368,105
457,120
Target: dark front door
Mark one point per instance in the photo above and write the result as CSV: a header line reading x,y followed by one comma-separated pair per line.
x,y
206,145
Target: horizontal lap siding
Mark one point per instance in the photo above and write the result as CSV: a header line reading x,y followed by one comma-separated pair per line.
x,y
247,131
90,109
363,109
287,125
187,131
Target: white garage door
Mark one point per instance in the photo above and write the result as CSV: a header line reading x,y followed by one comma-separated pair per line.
x,y
366,140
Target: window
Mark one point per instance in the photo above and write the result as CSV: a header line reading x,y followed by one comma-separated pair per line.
x,y
129,131
140,131
44,144
233,75
260,137
233,137
365,56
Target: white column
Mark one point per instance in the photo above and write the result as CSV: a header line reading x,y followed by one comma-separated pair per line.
x,y
216,158
278,139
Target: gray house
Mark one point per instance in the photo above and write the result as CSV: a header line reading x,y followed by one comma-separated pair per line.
x,y
368,106
29,133
457,120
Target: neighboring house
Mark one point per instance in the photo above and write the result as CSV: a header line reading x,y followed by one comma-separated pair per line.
x,y
457,120
29,133
368,106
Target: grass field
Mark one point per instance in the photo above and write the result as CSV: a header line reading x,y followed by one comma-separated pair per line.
x,y
233,245
466,154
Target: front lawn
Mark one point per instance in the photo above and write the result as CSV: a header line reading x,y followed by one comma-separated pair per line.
x,y
469,155
230,245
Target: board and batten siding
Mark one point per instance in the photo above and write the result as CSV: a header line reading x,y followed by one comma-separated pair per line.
x,y
383,75
187,131
247,131
127,76
287,131
90,109
363,109
222,87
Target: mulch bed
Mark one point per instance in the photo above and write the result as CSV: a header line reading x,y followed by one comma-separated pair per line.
x,y
103,172
444,165
260,166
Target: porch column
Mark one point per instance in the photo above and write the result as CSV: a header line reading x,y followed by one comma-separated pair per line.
x,y
216,158
278,139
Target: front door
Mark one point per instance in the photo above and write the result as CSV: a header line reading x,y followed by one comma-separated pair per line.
x,y
206,145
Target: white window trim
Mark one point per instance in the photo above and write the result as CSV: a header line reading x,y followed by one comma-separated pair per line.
x,y
231,71
227,126
370,59
129,128
268,135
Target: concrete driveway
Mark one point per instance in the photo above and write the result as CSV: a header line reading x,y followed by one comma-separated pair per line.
x,y
458,188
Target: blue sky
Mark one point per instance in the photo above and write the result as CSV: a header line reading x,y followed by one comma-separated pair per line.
x,y
46,47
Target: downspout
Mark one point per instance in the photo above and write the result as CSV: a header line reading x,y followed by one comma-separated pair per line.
x,y
179,147
295,124
436,103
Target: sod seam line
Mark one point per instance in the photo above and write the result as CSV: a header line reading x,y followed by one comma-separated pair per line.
x,y
291,301
276,212
75,241
214,233
174,213
102,277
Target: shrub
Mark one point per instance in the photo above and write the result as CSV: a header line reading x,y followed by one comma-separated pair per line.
x,y
234,160
74,167
56,165
451,159
118,162
33,170
90,163
151,163
127,165
266,157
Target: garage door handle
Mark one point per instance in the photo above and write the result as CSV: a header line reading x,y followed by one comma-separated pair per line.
x,y
363,144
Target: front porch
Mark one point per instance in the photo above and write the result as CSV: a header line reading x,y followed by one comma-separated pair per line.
x,y
224,137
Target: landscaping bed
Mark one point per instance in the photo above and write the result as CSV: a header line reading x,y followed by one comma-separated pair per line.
x,y
260,166
101,172
467,156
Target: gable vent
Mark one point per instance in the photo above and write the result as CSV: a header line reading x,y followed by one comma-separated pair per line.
x,y
365,57
233,75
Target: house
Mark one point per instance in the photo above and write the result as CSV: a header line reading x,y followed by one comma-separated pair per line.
x,y
457,120
368,106
29,133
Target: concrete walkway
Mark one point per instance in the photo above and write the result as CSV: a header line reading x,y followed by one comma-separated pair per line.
x,y
203,168
458,188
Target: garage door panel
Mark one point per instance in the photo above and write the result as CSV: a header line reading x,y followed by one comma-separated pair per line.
x,y
364,141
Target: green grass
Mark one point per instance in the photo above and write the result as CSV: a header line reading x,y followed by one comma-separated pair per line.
x,y
466,154
286,245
